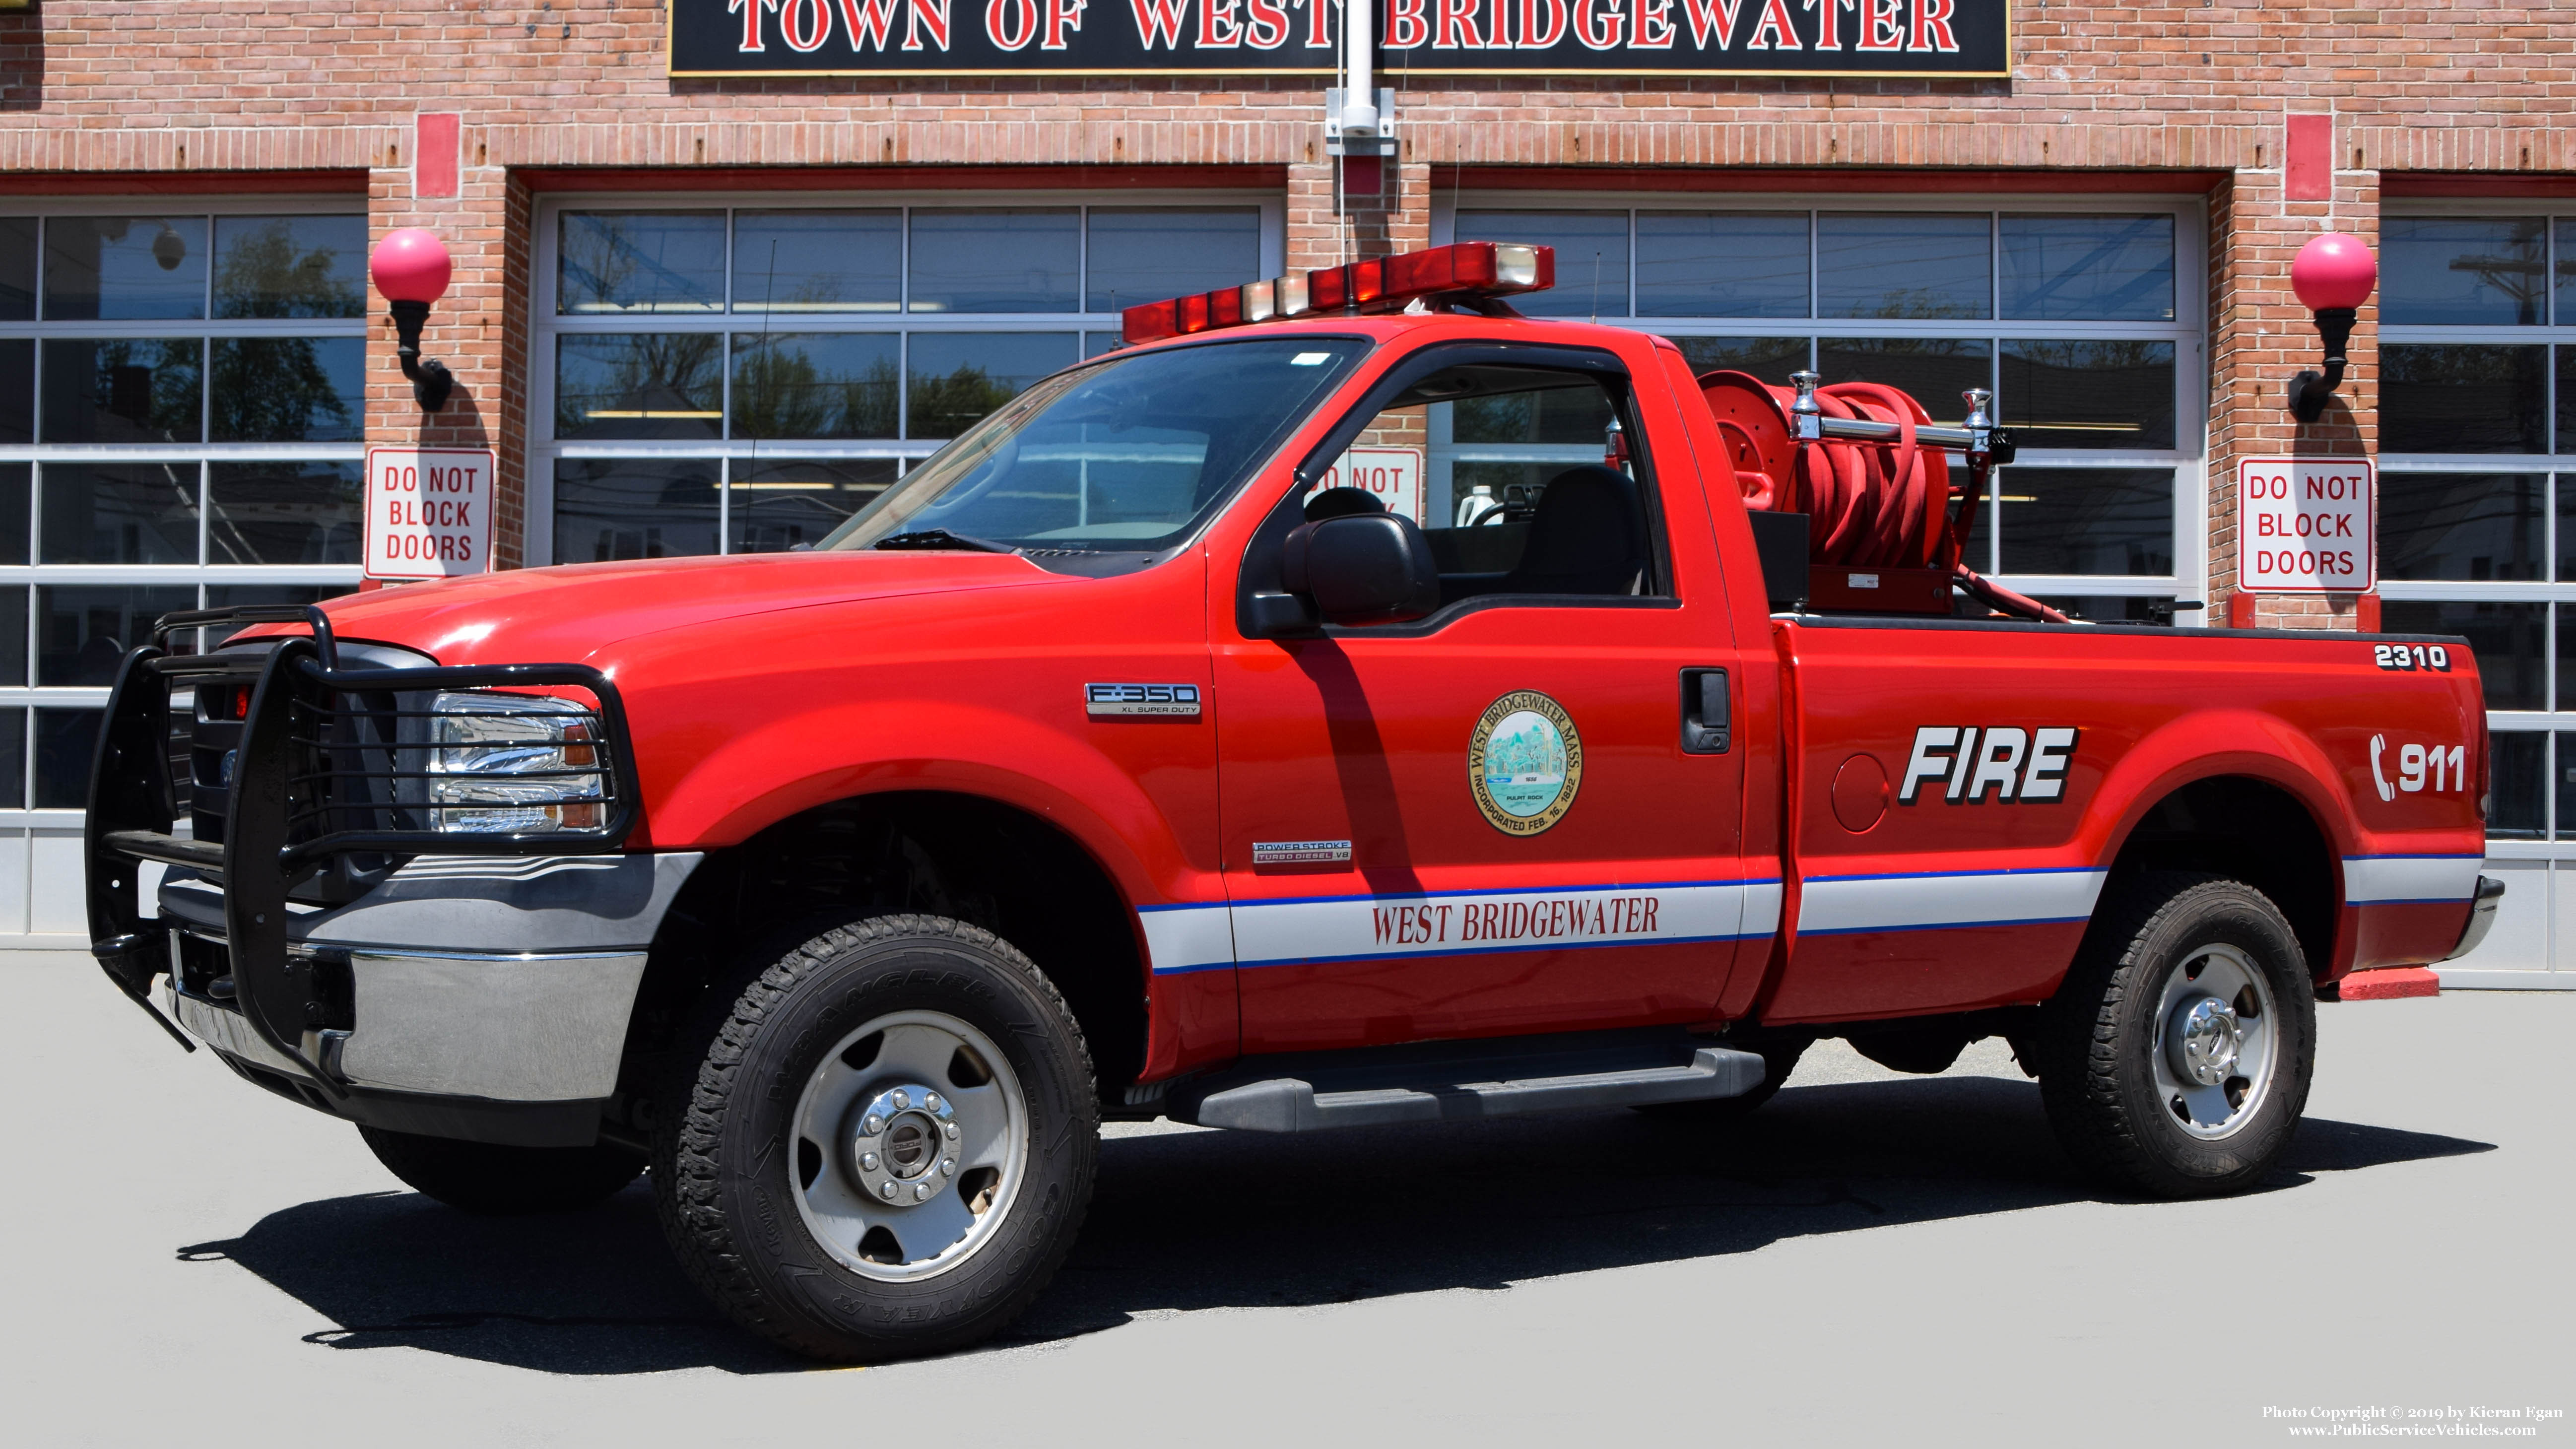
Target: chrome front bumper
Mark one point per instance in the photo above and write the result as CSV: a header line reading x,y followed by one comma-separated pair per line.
x,y
504,1027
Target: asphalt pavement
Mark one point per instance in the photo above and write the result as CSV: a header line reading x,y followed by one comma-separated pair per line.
x,y
1870,1259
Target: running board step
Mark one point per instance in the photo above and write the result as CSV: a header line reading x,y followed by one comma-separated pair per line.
x,y
1318,1092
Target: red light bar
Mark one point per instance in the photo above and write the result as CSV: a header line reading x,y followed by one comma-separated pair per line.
x,y
1379,284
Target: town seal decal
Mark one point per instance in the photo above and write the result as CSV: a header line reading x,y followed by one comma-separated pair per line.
x,y
1524,763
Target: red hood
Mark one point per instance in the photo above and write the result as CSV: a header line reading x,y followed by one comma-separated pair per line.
x,y
564,615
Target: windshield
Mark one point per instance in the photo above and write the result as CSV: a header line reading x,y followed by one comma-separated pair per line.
x,y
1126,456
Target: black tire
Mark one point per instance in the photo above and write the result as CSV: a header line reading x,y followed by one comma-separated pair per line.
x,y
1779,1059
731,1167
482,1177
2102,1046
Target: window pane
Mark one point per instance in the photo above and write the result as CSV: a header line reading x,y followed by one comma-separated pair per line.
x,y
82,633
118,267
66,743
13,759
17,390
2567,399
1575,414
17,268
285,513
780,503
996,261
1934,371
2460,526
290,266
2505,636
1902,266
2566,785
289,389
1771,359
2518,774
120,513
628,508
2087,520
2467,271
638,261
2566,273
1145,256
15,481
1720,264
816,385
656,385
2452,398
2088,394
13,644
123,390
2566,673
817,261
959,377
1591,257
2088,268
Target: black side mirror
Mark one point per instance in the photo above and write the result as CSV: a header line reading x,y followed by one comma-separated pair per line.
x,y
1372,568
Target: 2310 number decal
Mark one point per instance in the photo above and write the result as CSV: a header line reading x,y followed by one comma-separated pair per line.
x,y
2411,656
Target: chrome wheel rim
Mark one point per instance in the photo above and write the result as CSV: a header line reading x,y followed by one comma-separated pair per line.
x,y
911,1142
2217,1038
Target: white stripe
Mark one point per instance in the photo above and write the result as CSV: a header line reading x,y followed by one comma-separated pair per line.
x,y
1920,902
1347,928
1188,938
2368,878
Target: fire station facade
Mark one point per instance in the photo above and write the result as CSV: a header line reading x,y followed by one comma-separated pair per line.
x,y
725,268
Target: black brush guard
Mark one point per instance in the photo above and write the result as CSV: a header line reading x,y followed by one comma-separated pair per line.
x,y
318,776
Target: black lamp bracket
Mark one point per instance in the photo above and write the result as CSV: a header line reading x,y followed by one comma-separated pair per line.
x,y
430,380
2310,389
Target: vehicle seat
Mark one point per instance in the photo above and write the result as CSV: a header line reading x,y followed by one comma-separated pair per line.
x,y
1588,536
1342,503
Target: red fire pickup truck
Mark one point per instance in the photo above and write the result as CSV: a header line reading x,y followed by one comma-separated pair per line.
x,y
1210,734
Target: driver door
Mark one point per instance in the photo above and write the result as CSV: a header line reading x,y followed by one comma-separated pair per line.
x,y
1485,821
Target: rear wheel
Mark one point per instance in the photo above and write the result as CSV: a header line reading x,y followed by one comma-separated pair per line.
x,y
481,1177
2178,1052
885,1143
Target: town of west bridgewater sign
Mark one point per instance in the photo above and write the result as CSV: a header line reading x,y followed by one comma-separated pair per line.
x,y
1922,38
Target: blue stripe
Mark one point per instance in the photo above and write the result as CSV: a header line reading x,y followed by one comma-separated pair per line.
x,y
2428,856
1804,934
1958,874
2416,901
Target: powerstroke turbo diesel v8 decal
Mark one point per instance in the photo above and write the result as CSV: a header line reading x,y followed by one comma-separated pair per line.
x,y
2004,762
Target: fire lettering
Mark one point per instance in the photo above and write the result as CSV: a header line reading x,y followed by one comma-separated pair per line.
x,y
1319,32
804,24
931,15
1010,24
1265,24
1219,29
1607,33
1457,26
1536,37
1405,25
1654,25
1062,16
750,10
1880,25
1829,23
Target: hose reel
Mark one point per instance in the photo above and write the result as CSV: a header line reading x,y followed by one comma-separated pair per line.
x,y
1869,470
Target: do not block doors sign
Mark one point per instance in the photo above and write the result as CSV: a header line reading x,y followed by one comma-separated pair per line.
x,y
2304,526
429,512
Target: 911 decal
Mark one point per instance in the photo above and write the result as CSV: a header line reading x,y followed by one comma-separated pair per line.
x,y
1964,763
2411,656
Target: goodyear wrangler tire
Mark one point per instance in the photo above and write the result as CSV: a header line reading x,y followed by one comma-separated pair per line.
x,y
2177,1053
485,1177
886,1144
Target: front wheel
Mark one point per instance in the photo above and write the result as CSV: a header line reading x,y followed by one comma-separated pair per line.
x,y
886,1143
2179,1048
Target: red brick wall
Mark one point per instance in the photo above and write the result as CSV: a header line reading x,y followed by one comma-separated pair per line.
x,y
151,94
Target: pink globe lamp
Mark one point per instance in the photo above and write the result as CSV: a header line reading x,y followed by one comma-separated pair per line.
x,y
411,268
2333,277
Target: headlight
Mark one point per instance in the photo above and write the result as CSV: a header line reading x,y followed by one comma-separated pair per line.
x,y
503,764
